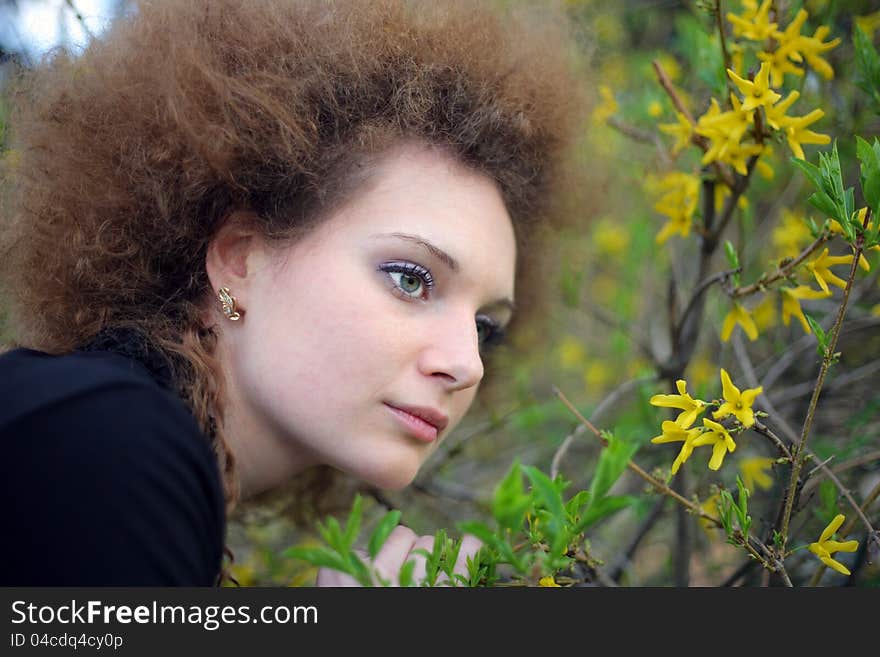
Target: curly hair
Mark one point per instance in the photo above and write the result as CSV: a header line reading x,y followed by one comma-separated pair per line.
x,y
131,155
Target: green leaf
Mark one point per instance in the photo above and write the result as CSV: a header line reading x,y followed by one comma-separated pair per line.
x,y
510,502
331,532
869,157
353,525
382,531
867,65
574,506
546,492
320,557
820,334
612,462
732,257
810,170
604,507
405,576
821,201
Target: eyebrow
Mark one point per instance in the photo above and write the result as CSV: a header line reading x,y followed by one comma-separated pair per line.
x,y
444,257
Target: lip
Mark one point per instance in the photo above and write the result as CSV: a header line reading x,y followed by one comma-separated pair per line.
x,y
422,422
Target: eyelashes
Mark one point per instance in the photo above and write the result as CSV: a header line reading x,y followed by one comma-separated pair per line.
x,y
406,274
412,282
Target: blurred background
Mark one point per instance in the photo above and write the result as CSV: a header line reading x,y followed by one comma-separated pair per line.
x,y
607,337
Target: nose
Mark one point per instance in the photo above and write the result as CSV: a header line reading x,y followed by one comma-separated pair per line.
x,y
452,352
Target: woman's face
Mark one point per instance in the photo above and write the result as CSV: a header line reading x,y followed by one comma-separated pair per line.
x,y
383,306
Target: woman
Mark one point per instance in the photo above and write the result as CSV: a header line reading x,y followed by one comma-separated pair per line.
x,y
244,239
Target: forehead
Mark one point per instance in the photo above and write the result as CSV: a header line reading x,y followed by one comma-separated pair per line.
x,y
425,192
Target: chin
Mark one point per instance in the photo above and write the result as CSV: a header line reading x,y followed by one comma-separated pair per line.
x,y
391,474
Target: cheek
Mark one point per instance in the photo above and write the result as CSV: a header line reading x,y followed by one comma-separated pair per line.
x,y
325,344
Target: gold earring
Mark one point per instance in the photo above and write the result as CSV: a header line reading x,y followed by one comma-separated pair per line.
x,y
228,302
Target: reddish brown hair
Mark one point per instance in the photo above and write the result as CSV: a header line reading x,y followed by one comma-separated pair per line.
x,y
129,157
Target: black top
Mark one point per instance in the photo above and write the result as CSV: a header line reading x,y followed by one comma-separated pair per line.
x,y
106,478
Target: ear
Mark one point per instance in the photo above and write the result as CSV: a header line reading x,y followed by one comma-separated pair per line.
x,y
235,254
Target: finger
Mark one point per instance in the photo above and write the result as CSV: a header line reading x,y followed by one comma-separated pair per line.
x,y
332,577
470,545
420,570
394,552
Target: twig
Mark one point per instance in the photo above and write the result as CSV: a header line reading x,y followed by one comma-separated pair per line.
x,y
640,135
720,277
698,140
781,272
847,528
720,23
765,431
79,17
736,190
798,461
607,402
656,483
854,462
627,553
749,373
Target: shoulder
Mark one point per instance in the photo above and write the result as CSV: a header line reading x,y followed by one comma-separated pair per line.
x,y
107,463
32,381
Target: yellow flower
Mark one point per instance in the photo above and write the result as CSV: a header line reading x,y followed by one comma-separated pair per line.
x,y
727,126
741,316
722,191
678,203
737,403
756,93
710,507
682,131
791,303
673,433
610,237
780,64
690,407
791,235
669,64
835,227
825,547
776,114
820,268
764,313
869,23
607,107
596,376
812,46
701,370
736,156
655,109
795,129
719,438
548,581
763,168
571,352
753,25
724,130
755,472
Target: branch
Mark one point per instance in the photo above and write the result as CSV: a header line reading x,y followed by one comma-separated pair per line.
x,y
799,458
656,483
847,528
79,17
607,402
781,272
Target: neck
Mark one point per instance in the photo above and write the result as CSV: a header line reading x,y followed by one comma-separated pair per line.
x,y
264,457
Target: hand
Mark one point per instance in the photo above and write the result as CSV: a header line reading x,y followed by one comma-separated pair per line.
x,y
396,551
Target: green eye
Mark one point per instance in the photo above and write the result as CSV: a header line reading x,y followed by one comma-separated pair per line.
x,y
409,279
410,284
